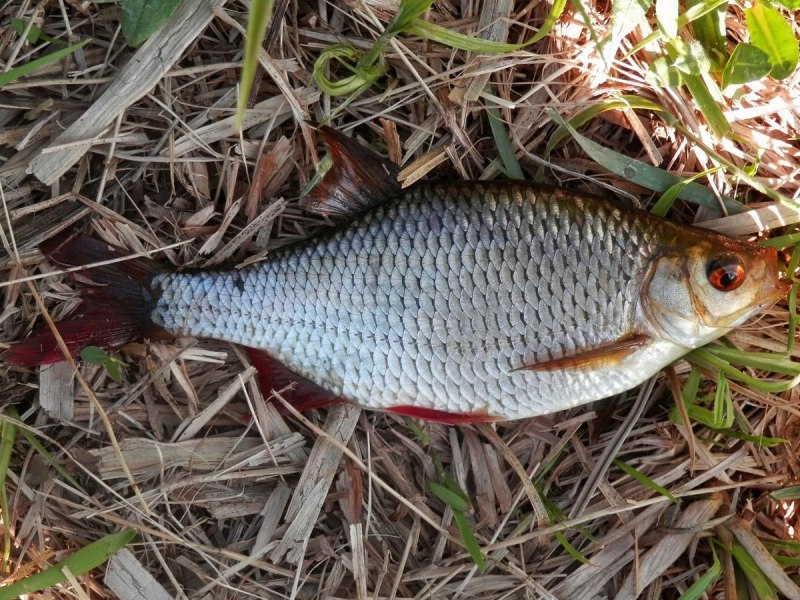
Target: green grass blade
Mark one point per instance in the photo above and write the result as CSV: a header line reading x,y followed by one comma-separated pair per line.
x,y
79,562
706,360
8,433
708,106
562,539
469,539
664,204
257,21
452,499
442,35
723,404
758,440
705,581
503,143
643,174
590,113
787,493
694,13
34,65
755,576
644,480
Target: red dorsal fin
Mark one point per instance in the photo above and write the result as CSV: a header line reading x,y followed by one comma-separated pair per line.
x,y
603,356
274,375
441,416
113,312
358,179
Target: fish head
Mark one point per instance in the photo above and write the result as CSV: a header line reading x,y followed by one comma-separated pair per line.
x,y
701,292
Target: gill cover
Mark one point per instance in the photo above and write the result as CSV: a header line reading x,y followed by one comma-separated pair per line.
x,y
698,294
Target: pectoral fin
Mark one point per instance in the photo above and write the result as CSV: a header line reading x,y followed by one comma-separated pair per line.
x,y
601,356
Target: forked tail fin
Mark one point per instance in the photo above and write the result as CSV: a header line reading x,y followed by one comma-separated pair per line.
x,y
114,311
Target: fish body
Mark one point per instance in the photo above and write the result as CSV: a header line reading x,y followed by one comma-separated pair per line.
x,y
510,300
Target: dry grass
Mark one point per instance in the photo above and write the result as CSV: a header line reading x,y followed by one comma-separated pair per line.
x,y
233,500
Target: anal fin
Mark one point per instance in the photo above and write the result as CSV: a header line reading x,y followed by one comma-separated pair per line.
x,y
294,388
606,355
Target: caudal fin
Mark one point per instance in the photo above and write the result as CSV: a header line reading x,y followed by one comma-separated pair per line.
x,y
114,311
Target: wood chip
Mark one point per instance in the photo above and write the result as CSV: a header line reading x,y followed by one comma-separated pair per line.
x,y
129,580
312,489
669,548
139,75
57,390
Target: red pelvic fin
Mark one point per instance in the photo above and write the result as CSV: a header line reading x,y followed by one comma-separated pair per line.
x,y
358,180
303,394
441,416
113,312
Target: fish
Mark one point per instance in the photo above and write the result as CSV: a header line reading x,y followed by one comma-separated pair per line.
x,y
458,302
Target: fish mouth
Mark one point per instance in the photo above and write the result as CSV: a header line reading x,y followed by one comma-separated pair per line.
x,y
776,293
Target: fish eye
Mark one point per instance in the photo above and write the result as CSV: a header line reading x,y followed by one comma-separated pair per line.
x,y
726,273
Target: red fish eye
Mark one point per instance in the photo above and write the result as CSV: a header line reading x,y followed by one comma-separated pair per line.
x,y
726,273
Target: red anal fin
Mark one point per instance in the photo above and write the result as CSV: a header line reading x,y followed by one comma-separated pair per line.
x,y
303,394
113,313
602,356
358,180
441,416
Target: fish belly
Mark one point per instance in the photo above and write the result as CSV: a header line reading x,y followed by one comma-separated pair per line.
x,y
437,298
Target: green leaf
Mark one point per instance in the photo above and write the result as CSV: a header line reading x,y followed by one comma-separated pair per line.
x,y
790,4
645,480
257,21
695,12
113,370
643,174
709,30
449,497
747,63
38,63
141,18
19,27
79,562
94,355
692,58
663,74
705,581
770,32
787,493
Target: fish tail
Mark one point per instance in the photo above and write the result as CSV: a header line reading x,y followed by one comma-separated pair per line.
x,y
114,310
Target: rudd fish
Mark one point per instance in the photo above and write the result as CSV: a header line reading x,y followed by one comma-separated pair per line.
x,y
454,302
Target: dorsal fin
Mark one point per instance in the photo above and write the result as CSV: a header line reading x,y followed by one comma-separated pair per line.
x,y
357,180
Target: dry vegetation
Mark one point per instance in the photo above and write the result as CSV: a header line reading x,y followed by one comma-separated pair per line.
x,y
233,500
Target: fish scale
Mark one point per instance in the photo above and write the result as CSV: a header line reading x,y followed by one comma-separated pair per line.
x,y
435,298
